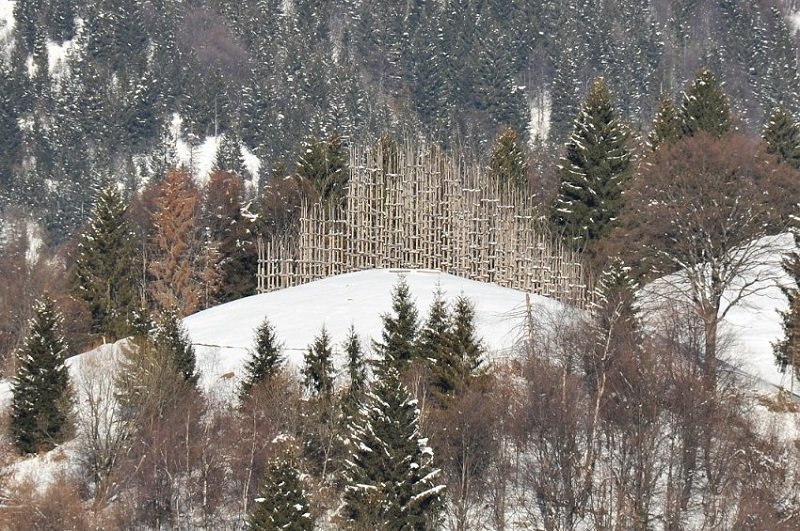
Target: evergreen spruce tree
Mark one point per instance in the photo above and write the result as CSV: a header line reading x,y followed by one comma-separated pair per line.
x,y
318,367
282,504
461,359
509,162
229,154
357,371
324,165
666,125
787,349
42,397
434,335
390,481
265,359
705,107
171,336
593,171
106,270
782,136
399,337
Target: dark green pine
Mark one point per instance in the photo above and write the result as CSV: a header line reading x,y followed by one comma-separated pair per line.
x,y
318,368
464,352
324,165
282,505
666,125
509,163
782,135
593,171
705,107
42,397
398,347
172,336
357,371
265,359
105,270
389,475
787,349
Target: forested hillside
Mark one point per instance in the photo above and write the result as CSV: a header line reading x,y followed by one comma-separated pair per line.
x,y
638,160
90,88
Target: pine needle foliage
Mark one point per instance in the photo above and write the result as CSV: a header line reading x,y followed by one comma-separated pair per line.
x,y
318,370
265,359
787,349
105,270
782,135
705,107
390,481
593,171
171,336
283,504
42,398
666,127
509,163
398,347
462,358
357,370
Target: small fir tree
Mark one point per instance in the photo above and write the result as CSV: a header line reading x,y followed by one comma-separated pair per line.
x,y
318,368
399,336
105,270
324,165
265,360
787,349
593,171
434,336
705,107
229,154
782,135
42,397
171,336
390,480
666,125
283,504
357,371
462,357
509,163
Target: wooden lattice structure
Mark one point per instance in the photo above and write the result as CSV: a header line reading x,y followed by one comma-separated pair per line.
x,y
418,210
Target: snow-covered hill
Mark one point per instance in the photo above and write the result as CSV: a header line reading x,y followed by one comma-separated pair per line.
x,y
223,334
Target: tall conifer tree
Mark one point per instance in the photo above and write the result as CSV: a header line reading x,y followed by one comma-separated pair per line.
x,y
390,481
399,337
666,125
593,171
265,359
782,135
787,349
282,504
106,269
318,368
705,107
42,397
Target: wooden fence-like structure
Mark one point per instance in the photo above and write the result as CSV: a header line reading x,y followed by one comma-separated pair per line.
x,y
416,209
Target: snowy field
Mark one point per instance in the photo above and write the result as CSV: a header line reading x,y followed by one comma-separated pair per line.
x,y
223,334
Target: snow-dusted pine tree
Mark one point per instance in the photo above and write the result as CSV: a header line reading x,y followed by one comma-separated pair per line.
x,y
509,163
461,359
318,366
399,337
282,504
105,271
705,106
433,338
357,371
42,397
593,171
782,135
666,127
390,480
265,359
787,349
171,336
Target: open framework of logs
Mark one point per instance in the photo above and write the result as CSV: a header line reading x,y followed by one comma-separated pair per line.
x,y
416,209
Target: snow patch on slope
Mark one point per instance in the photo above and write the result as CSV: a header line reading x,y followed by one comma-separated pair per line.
x,y
539,125
6,25
57,54
794,21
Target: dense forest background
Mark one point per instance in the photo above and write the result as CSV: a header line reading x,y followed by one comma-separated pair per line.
x,y
271,74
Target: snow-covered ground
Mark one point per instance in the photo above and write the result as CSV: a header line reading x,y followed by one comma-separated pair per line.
x,y
794,20
6,24
223,334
